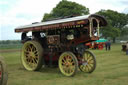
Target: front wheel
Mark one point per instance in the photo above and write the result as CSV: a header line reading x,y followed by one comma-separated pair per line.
x,y
68,64
88,62
32,53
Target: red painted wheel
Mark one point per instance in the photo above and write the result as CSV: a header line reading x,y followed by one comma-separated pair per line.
x,y
3,73
100,47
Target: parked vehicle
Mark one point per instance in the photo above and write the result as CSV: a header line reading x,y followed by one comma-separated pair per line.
x,y
98,44
61,42
123,43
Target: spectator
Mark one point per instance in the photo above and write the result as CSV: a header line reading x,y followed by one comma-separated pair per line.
x,y
108,45
127,48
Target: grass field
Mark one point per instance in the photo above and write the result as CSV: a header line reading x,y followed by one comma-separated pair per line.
x,y
112,69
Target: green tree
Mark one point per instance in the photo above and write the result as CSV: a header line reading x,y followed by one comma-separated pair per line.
x,y
116,22
125,31
66,8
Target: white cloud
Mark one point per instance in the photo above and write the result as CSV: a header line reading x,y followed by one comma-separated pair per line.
x,y
96,5
28,11
3,2
23,12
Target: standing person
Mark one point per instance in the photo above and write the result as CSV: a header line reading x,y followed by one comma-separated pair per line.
x,y
109,45
127,48
106,45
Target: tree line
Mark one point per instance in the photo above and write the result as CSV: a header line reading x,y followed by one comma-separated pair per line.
x,y
10,42
117,22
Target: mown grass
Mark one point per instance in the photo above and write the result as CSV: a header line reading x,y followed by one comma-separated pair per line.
x,y
112,69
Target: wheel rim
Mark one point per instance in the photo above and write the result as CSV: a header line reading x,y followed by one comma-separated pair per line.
x,y
88,62
1,72
30,57
67,64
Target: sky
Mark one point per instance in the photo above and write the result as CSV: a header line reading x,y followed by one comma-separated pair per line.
x,y
14,13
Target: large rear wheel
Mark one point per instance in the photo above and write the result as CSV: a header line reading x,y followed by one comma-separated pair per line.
x,y
88,62
68,63
32,54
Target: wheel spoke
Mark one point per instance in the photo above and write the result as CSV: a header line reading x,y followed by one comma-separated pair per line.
x,y
88,56
64,60
91,62
33,48
34,61
90,66
28,48
83,68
